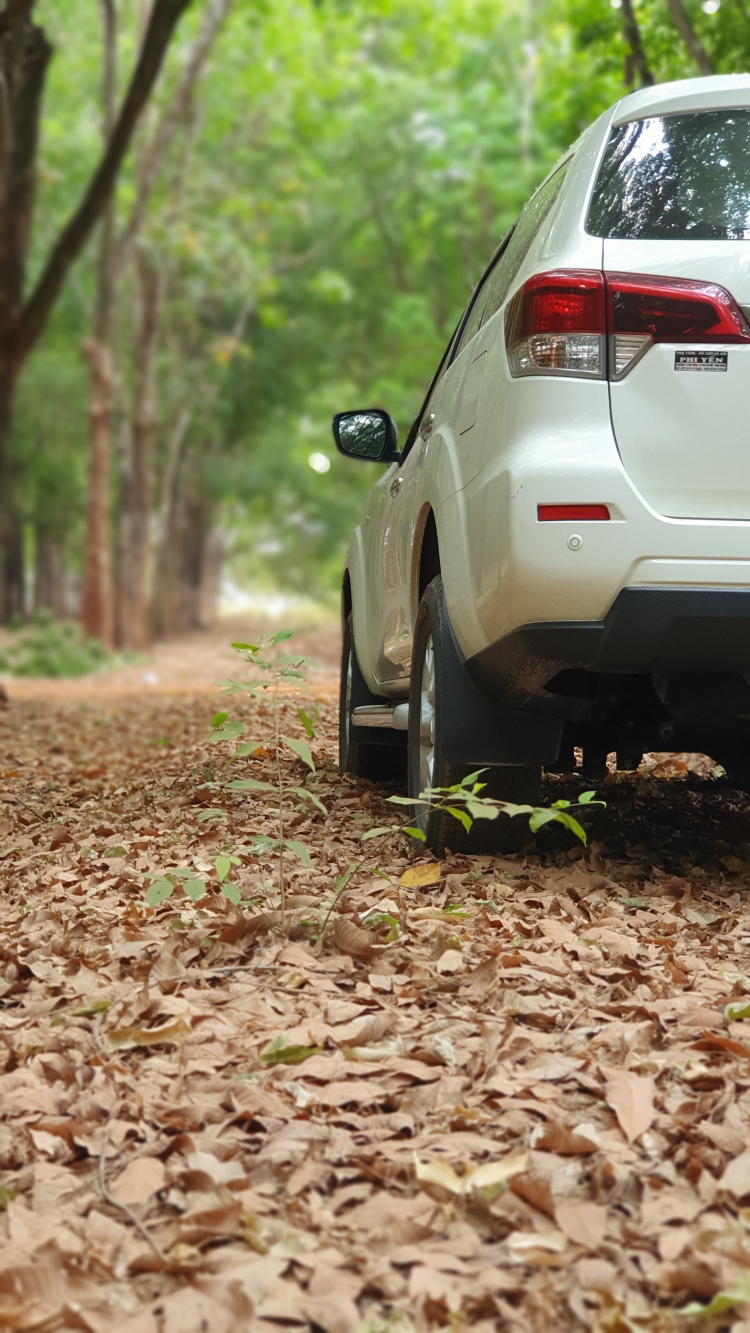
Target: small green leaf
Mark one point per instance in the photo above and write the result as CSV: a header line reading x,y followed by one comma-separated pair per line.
x,y
479,809
508,808
246,647
195,889
159,892
214,815
302,749
231,891
573,825
736,1010
219,719
229,732
586,798
310,796
540,816
378,832
113,852
248,747
223,867
299,850
342,880
470,780
307,722
281,636
279,1053
413,833
460,815
250,784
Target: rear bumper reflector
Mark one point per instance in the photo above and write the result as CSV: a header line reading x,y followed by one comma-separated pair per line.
x,y
571,513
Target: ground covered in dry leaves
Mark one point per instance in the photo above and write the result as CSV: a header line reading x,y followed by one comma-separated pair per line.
x,y
514,1098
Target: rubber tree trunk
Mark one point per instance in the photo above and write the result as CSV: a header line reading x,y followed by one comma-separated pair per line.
x,y
136,481
24,56
96,602
50,592
191,555
97,606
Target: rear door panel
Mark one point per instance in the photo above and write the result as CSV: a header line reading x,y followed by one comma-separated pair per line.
x,y
684,434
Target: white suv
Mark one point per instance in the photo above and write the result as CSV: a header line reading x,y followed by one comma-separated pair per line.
x,y
560,553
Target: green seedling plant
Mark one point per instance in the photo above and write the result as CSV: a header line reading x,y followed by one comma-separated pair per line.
x,y
276,671
465,802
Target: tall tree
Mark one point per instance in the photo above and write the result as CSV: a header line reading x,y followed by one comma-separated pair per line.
x,y
97,611
24,57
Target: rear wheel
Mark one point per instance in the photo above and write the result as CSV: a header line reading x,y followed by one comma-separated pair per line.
x,y
381,762
520,784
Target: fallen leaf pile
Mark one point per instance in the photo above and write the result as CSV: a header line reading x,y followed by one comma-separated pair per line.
x,y
498,1093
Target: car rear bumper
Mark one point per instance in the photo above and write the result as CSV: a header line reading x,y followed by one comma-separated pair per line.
x,y
685,638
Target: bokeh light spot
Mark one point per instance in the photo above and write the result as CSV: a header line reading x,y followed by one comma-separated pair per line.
x,y
319,462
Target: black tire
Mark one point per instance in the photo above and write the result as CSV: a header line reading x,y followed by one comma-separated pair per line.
x,y
520,784
381,762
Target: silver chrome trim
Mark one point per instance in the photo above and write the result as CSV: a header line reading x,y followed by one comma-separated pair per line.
x,y
382,715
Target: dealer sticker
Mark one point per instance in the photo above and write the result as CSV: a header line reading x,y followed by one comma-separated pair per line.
x,y
704,360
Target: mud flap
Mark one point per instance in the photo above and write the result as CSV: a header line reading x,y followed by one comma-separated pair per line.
x,y
474,731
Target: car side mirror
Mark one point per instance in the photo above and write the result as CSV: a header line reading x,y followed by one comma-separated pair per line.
x,y
370,434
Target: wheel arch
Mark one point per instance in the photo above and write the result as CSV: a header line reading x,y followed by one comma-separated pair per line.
x,y
346,596
427,567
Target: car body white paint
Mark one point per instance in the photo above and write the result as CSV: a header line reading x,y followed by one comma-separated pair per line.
x,y
673,467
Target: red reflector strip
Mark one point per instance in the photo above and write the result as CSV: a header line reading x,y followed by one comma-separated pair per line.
x,y
559,513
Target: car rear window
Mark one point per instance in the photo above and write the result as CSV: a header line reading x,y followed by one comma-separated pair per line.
x,y
683,177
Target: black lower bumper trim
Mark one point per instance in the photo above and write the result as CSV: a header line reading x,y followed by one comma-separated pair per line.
x,y
648,631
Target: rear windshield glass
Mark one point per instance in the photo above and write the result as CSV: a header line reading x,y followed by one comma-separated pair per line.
x,y
682,177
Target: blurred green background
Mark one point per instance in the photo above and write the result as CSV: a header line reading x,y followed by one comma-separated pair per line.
x,y
339,180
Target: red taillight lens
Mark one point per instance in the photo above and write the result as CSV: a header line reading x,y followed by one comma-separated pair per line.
x,y
575,513
673,310
556,324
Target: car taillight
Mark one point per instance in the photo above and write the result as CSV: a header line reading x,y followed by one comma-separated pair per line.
x,y
642,310
559,323
555,325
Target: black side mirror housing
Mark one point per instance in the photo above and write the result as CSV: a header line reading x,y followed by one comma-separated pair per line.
x,y
370,434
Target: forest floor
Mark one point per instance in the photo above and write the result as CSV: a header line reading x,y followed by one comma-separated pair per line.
x,y
514,1094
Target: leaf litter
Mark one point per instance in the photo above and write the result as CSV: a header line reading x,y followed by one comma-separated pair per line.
x,y
507,1092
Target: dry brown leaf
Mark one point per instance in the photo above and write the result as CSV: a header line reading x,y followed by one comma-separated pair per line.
x,y
140,1180
632,1100
452,960
419,877
172,1033
354,940
439,1178
736,1177
583,1222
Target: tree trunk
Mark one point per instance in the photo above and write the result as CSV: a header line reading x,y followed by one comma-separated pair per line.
x,y
632,34
97,610
690,36
192,555
166,614
96,604
24,57
50,593
135,495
